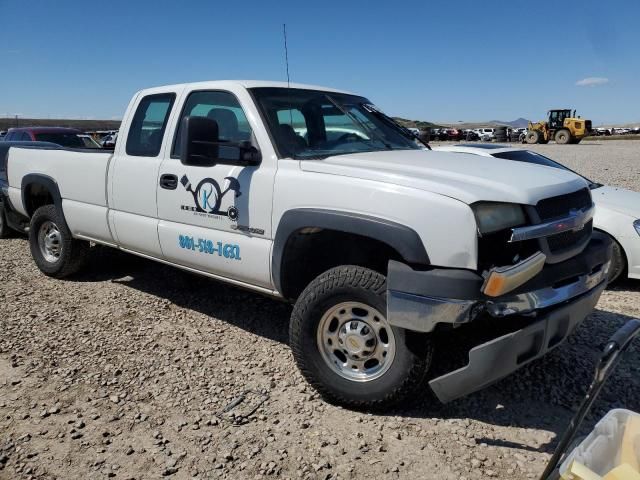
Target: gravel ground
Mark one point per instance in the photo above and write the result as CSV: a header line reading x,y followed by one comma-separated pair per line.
x,y
125,372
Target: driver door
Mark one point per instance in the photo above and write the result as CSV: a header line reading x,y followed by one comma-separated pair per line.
x,y
217,219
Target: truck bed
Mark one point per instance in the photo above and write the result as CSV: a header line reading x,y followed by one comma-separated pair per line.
x,y
80,176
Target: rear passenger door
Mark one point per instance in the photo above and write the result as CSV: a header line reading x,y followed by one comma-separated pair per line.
x,y
133,177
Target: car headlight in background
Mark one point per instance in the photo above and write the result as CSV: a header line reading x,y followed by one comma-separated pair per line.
x,y
636,225
493,217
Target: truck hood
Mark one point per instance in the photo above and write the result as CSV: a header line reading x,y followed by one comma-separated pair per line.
x,y
617,199
462,176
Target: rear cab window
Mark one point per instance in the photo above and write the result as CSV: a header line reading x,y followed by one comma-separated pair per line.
x,y
149,124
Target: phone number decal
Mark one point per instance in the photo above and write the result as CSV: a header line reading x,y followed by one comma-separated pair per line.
x,y
225,250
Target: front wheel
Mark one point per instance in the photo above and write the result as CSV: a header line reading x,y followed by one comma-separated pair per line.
x,y
345,347
56,253
532,137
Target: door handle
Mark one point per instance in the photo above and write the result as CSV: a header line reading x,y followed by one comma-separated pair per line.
x,y
168,181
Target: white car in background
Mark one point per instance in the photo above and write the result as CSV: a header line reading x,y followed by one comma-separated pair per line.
x,y
617,209
486,134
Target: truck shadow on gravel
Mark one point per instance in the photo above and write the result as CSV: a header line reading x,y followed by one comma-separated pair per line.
x,y
542,395
249,311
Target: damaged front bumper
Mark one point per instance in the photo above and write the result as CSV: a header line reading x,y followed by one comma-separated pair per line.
x,y
557,299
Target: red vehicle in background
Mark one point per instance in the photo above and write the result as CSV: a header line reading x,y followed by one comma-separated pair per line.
x,y
65,137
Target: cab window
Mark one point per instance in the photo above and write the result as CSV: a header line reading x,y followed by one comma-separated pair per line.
x,y
148,125
224,108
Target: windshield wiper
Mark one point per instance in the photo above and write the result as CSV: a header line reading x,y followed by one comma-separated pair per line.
x,y
359,122
392,123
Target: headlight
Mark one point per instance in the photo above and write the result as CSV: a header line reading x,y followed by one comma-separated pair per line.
x,y
636,225
492,217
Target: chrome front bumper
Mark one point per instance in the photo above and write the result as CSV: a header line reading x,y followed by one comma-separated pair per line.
x,y
420,300
423,313
546,297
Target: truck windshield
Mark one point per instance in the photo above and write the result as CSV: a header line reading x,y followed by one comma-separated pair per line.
x,y
313,124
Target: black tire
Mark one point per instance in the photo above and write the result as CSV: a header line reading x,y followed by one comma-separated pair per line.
x,y
532,137
5,230
411,359
72,253
618,263
563,136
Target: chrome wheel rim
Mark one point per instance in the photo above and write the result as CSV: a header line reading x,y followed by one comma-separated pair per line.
x,y
50,241
356,341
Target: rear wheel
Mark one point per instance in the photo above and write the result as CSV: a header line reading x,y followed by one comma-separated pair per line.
x,y
346,349
532,137
56,253
563,136
5,230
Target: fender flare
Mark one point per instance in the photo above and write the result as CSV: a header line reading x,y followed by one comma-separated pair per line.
x,y
47,182
401,238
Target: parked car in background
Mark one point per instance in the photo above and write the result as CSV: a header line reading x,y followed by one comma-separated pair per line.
x,y
65,137
109,141
88,141
471,135
455,134
486,134
617,209
602,131
3,133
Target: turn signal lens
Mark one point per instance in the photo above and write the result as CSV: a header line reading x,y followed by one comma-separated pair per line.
x,y
502,280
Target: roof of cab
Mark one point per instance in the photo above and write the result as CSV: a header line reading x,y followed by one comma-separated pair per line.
x,y
223,84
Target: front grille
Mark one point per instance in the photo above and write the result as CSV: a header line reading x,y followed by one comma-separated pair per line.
x,y
563,245
560,206
569,239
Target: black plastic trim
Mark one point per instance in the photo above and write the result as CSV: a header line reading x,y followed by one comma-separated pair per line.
x,y
45,181
439,282
400,237
501,356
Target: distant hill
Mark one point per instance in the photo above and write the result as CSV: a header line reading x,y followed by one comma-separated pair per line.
x,y
6,123
518,123
421,124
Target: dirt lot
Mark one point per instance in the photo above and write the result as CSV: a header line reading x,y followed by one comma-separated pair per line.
x,y
124,371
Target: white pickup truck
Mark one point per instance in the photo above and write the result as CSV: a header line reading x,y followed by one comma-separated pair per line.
x,y
314,196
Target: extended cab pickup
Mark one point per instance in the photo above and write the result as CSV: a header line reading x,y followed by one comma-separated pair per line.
x,y
315,196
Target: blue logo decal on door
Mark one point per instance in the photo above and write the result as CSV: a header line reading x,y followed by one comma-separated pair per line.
x,y
207,196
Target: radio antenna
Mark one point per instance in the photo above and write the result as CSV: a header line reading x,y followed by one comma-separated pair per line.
x,y
286,51
286,61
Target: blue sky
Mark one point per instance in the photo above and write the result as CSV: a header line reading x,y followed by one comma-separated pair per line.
x,y
440,61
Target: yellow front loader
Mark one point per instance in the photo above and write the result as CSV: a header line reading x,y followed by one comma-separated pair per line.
x,y
561,126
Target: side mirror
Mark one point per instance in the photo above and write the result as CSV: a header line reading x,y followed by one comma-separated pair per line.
x,y
200,146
